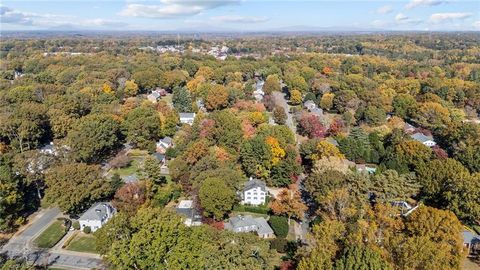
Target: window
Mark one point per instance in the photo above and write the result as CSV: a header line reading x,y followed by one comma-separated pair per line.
x,y
254,198
248,198
248,193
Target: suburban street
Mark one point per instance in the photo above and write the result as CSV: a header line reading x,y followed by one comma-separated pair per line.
x,y
20,245
300,228
20,242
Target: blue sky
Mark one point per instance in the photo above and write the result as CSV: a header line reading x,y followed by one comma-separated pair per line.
x,y
239,15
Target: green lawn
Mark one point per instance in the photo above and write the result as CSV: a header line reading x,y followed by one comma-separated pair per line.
x,y
131,169
82,243
51,235
235,213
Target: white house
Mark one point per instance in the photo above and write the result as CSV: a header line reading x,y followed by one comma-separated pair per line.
x,y
309,105
254,192
96,216
258,93
247,223
426,140
154,96
187,118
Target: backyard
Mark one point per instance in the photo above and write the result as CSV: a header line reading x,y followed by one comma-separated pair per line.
x,y
51,235
82,243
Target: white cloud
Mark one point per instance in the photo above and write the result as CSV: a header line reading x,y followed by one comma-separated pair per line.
x,y
15,17
418,3
442,17
401,18
9,15
384,9
239,19
476,25
174,8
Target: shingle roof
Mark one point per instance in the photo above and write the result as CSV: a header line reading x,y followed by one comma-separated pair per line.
x,y
99,211
261,225
253,183
187,115
159,157
166,140
421,137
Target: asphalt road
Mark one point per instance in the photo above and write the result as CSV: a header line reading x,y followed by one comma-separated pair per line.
x,y
280,100
20,245
20,242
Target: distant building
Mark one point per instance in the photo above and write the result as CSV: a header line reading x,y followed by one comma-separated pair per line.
x,y
96,216
471,242
187,210
258,93
309,105
254,192
160,157
408,128
154,96
365,168
424,139
332,141
312,107
247,223
163,144
187,118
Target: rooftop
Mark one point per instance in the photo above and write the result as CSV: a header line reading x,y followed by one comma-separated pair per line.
x,y
187,115
253,183
261,225
470,237
99,211
421,137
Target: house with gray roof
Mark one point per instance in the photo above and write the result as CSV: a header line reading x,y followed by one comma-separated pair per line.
x,y
187,118
186,209
254,192
309,105
154,96
247,223
424,139
471,242
96,216
163,144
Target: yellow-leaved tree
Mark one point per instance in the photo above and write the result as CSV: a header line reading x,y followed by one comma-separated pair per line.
x,y
277,152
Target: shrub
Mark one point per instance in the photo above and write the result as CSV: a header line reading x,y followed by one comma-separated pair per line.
x,y
87,229
279,225
279,244
76,225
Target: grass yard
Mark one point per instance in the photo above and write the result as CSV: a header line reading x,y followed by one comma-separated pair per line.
x,y
51,235
235,213
129,170
82,243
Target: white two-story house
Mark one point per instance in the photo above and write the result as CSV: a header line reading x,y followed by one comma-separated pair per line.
x,y
254,192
